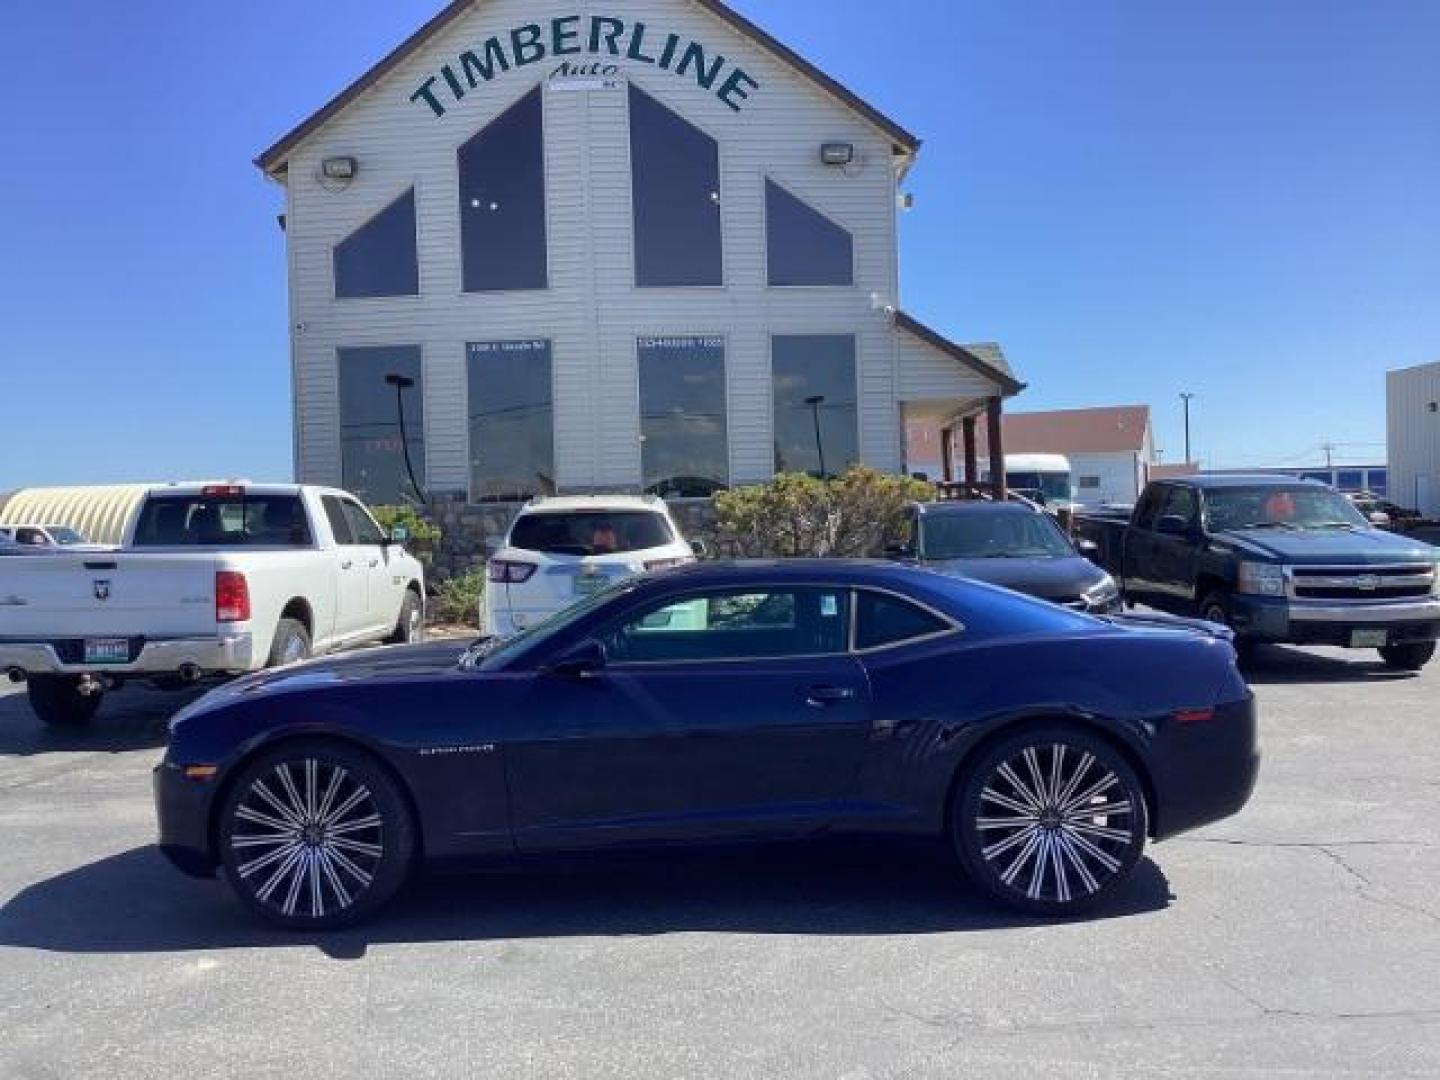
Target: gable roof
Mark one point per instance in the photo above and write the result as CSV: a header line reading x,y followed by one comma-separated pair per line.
x,y
273,160
986,359
1110,430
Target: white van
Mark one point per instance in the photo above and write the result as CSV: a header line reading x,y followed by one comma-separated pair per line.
x,y
1043,478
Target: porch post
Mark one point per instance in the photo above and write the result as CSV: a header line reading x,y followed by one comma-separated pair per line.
x,y
996,440
947,454
972,461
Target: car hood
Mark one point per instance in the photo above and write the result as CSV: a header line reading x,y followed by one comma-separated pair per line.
x,y
1049,579
1358,545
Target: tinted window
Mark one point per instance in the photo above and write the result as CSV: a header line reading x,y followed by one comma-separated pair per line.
x,y
63,534
1145,513
675,178
684,449
1182,503
512,421
983,534
378,259
502,201
732,625
372,450
335,515
591,532
805,247
223,521
363,530
886,620
31,537
807,368
1298,507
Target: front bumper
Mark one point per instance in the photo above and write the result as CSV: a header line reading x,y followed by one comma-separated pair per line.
x,y
1318,622
213,655
182,812
1204,771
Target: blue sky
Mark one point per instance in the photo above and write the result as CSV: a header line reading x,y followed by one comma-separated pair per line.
x,y
1236,198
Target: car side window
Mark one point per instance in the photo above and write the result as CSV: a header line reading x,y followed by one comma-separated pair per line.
x,y
1181,503
881,619
734,625
339,524
1145,513
363,529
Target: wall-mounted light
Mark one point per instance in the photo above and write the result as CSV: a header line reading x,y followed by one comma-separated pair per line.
x,y
837,153
339,168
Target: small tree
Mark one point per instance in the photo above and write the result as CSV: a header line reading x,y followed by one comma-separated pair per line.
x,y
795,515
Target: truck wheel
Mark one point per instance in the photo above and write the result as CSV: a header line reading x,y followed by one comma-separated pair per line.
x,y
291,644
57,700
1411,657
1215,608
410,627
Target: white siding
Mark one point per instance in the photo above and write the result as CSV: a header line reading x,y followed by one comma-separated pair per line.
x,y
1413,437
1118,472
592,312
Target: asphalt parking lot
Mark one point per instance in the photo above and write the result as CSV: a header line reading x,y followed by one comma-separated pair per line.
x,y
1301,938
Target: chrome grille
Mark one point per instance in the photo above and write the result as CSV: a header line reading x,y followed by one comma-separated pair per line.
x,y
1363,583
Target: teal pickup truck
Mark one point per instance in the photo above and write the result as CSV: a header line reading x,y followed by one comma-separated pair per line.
x,y
1276,560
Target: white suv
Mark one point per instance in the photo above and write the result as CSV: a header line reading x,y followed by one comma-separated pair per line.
x,y
560,550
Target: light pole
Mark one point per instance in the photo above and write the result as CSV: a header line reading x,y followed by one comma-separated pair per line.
x,y
401,384
1185,397
815,403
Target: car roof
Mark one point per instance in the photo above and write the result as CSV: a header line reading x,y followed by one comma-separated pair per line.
x,y
724,571
559,504
1242,480
977,506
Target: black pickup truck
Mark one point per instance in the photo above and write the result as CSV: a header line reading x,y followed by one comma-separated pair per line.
x,y
1277,560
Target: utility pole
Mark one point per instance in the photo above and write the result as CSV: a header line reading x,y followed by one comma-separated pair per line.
x,y
1185,397
1329,449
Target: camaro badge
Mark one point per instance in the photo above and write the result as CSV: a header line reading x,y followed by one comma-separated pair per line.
x,y
102,589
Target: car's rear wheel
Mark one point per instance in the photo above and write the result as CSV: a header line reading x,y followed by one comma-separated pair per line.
x,y
410,627
315,835
58,702
1050,821
1411,656
291,644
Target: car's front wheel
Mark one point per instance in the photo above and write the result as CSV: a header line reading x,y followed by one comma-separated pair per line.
x,y
1050,821
58,702
315,835
1408,657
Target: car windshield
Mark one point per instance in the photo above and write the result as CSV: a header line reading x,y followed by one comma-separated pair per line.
x,y
1053,485
1298,507
494,653
591,532
1005,534
223,521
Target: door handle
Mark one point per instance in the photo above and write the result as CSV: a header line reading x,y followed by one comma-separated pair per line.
x,y
374,563
821,696
347,564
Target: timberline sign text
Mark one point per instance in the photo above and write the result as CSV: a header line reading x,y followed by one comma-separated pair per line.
x,y
573,35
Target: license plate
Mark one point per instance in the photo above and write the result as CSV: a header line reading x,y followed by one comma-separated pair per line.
x,y
1367,639
588,584
107,651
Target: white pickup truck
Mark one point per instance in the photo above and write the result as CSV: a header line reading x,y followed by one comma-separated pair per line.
x,y
212,579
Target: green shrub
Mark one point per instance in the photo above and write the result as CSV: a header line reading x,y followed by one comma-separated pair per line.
x,y
457,600
794,515
421,530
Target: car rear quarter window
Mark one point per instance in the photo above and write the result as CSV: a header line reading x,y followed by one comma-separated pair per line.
x,y
881,619
223,521
591,532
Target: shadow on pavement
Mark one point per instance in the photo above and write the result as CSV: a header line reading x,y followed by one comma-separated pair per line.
x,y
135,902
132,718
1279,664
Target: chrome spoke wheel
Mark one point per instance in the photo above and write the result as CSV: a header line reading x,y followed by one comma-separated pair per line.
x,y
1055,824
307,838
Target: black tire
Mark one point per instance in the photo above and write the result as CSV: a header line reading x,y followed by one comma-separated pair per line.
x,y
58,702
291,644
314,874
1409,657
1215,608
410,626
1095,852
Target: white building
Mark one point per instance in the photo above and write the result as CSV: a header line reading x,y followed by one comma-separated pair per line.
x,y
640,246
1412,410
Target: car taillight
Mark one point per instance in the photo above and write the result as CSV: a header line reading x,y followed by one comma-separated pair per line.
x,y
665,564
232,597
506,572
220,491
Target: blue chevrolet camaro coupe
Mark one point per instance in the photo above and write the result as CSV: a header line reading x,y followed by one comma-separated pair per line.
x,y
721,702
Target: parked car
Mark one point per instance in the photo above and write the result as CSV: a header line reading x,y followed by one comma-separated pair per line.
x,y
1046,479
1379,511
1012,544
722,702
561,550
212,579
1278,560
48,536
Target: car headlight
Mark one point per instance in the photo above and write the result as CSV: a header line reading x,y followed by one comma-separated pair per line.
x,y
1103,593
1261,579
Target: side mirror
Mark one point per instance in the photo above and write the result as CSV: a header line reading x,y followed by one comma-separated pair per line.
x,y
399,534
581,662
1172,525
698,548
